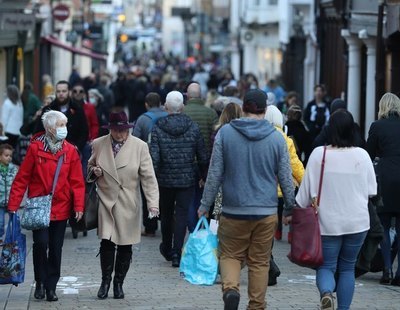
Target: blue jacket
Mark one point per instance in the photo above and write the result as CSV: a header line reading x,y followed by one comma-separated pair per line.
x,y
249,158
176,143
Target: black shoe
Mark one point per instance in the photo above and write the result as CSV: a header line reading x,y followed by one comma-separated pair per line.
x,y
118,291
231,300
386,277
176,260
166,254
103,290
85,233
40,292
74,234
51,296
396,281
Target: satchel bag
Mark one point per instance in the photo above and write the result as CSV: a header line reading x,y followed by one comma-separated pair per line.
x,y
13,253
89,219
199,263
36,214
306,246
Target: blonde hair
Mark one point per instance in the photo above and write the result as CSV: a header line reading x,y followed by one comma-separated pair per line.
x,y
389,104
230,112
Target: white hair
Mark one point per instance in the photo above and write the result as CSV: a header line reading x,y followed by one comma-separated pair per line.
x,y
274,116
174,101
50,118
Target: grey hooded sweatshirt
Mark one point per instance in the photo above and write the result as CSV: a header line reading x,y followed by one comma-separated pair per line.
x,y
249,159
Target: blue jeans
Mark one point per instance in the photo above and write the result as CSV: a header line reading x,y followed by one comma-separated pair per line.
x,y
340,253
2,213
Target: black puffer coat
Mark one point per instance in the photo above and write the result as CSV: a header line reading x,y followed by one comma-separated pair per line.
x,y
176,147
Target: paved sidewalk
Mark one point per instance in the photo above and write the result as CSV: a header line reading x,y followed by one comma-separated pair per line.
x,y
152,283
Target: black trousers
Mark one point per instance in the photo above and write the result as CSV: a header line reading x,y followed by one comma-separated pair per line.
x,y
47,252
174,207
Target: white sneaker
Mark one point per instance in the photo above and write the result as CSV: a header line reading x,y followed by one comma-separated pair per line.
x,y
327,302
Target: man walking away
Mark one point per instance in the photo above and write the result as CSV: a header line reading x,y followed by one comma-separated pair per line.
x,y
249,158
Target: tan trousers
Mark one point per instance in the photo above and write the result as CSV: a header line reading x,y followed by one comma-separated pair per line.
x,y
247,241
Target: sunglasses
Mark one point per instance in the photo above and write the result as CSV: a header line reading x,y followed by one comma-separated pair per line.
x,y
78,91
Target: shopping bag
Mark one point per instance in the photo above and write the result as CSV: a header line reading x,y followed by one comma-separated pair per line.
x,y
199,262
306,245
89,220
13,253
36,214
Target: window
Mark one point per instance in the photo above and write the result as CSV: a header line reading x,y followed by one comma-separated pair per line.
x,y
273,2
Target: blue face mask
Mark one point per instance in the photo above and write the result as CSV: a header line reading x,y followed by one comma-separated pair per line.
x,y
61,133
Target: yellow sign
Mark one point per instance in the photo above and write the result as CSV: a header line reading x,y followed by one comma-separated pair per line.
x,y
20,53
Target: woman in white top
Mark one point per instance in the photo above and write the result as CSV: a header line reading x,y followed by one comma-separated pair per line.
x,y
348,181
12,115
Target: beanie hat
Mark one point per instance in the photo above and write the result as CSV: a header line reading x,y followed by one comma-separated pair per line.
x,y
337,104
255,101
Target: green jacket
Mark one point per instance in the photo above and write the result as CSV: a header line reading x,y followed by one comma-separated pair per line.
x,y
31,108
204,116
7,176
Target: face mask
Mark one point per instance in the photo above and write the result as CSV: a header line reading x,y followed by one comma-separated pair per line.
x,y
92,100
61,133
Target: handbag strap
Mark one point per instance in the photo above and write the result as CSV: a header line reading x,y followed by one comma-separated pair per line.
x,y
321,176
59,163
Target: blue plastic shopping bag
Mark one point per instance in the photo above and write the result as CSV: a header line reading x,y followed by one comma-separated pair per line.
x,y
13,253
199,262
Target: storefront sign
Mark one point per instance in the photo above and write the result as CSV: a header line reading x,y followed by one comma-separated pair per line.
x,y
15,21
61,12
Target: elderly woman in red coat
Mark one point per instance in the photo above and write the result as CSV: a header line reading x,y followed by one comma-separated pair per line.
x,y
37,174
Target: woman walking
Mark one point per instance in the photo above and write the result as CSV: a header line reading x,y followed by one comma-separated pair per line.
x,y
383,142
348,181
120,163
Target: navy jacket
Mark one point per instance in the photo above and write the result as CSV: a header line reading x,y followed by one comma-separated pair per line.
x,y
176,148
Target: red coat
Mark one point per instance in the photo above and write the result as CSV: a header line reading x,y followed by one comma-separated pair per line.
x,y
37,174
92,120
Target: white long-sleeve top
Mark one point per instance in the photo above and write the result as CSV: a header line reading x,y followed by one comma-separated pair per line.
x,y
12,117
349,180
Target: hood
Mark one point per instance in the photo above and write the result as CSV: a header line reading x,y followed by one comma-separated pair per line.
x,y
175,124
253,129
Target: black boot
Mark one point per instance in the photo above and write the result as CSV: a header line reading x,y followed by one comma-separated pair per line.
x,y
107,267
122,264
39,290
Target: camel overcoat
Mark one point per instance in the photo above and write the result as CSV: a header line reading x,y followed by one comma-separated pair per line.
x,y
120,207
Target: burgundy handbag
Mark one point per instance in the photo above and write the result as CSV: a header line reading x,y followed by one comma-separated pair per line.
x,y
306,246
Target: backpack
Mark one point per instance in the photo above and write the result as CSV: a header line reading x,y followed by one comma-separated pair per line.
x,y
154,118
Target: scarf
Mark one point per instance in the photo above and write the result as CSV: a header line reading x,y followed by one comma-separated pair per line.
x,y
116,146
54,147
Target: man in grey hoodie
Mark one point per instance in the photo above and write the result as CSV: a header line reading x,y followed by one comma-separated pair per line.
x,y
249,159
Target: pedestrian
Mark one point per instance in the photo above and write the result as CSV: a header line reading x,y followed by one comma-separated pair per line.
x,y
36,174
142,130
348,182
77,125
206,118
275,118
8,171
30,102
12,115
296,130
323,137
248,158
178,152
119,164
382,142
316,113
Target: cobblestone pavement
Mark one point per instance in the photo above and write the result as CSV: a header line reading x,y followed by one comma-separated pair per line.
x,y
152,283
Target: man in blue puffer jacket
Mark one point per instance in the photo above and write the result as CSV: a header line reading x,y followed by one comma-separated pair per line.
x,y
176,147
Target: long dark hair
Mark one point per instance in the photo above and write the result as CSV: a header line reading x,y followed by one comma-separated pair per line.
x,y
341,127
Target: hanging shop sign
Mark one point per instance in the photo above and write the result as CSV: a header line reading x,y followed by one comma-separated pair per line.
x,y
15,21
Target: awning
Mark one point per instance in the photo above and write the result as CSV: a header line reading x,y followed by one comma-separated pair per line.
x,y
75,50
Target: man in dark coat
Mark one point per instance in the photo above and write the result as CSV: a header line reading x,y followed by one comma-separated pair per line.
x,y
176,143
77,125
